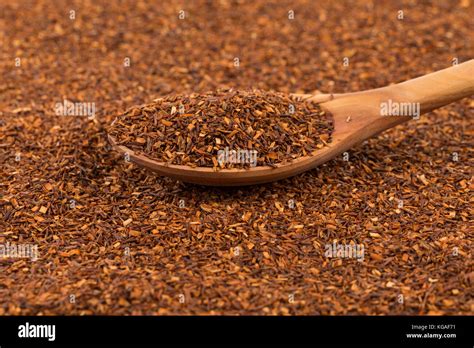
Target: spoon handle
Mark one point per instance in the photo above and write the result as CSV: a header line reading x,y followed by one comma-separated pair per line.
x,y
439,88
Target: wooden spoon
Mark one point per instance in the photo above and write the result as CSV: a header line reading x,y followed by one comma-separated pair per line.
x,y
357,117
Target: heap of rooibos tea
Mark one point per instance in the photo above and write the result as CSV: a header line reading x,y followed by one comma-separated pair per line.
x,y
224,129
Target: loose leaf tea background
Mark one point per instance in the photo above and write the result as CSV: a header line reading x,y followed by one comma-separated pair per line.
x,y
116,239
